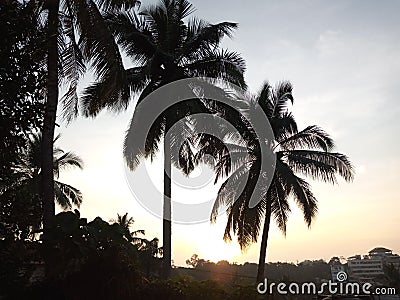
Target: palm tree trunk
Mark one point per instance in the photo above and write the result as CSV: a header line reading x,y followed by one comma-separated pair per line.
x,y
50,117
166,270
263,247
47,177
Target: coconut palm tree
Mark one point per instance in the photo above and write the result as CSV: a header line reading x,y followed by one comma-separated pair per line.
x,y
21,197
164,49
126,222
148,249
150,252
29,169
76,34
305,153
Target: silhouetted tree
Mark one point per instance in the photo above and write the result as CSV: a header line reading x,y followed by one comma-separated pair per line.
x,y
150,253
307,153
165,49
68,22
22,80
391,276
126,223
22,210
193,261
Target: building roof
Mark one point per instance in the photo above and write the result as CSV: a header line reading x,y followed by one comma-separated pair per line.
x,y
379,250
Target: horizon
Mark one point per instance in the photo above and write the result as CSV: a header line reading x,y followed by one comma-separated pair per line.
x,y
341,257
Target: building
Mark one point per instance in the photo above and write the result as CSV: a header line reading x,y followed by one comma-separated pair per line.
x,y
366,268
335,270
336,267
386,255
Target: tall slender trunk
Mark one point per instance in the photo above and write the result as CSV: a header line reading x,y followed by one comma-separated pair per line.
x,y
47,177
166,266
264,243
50,117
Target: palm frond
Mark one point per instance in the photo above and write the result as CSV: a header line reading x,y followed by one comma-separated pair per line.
x,y
70,102
114,93
277,197
139,140
185,159
177,29
68,159
73,64
66,192
182,9
316,170
137,232
155,19
116,5
229,190
283,126
133,35
244,222
320,163
305,199
97,42
281,95
222,64
300,190
230,163
209,149
264,98
61,199
201,35
312,137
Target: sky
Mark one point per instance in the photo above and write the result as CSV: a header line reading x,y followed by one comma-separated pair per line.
x,y
343,58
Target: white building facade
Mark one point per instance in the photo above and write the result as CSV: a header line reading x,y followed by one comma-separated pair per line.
x,y
367,268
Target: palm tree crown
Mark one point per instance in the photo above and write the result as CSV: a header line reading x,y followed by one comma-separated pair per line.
x,y
163,49
125,222
29,170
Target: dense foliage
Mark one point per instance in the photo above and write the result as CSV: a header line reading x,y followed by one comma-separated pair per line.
x,y
223,271
22,78
22,87
22,214
94,260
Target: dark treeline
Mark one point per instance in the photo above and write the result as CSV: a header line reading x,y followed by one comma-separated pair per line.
x,y
224,271
90,260
106,260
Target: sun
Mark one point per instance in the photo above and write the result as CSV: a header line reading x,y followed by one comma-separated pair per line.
x,y
205,240
219,250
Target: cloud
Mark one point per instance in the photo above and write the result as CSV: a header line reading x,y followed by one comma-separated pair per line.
x,y
328,43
